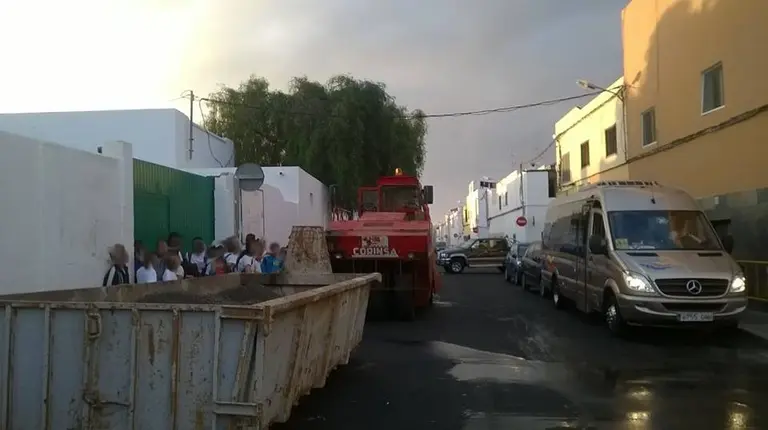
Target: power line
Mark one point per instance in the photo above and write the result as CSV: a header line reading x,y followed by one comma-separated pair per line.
x,y
481,112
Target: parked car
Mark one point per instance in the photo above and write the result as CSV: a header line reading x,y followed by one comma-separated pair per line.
x,y
485,252
530,268
513,260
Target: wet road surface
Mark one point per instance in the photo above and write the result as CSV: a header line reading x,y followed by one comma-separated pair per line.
x,y
491,356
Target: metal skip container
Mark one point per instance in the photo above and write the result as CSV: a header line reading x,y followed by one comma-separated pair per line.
x,y
178,355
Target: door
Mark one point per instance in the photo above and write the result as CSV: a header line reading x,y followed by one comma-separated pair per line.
x,y
497,251
595,266
478,255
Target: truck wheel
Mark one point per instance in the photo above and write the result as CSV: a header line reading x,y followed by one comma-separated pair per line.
x,y
457,265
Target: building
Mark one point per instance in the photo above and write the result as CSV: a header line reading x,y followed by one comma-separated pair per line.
x,y
289,197
160,136
478,198
697,109
523,193
590,140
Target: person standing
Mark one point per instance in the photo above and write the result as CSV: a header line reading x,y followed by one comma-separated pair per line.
x,y
146,273
118,273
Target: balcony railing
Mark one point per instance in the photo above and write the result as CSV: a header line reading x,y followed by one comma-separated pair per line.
x,y
756,273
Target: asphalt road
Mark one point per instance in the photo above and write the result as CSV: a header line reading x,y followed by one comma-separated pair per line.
x,y
491,356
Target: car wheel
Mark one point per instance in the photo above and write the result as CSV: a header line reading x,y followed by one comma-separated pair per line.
x,y
613,318
557,298
457,266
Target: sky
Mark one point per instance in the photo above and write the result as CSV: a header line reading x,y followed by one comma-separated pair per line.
x,y
436,55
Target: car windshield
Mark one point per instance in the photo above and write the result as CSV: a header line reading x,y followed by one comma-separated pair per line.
x,y
467,243
662,230
400,198
521,249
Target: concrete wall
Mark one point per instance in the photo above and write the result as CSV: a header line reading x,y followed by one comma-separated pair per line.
x,y
159,136
588,124
507,205
62,209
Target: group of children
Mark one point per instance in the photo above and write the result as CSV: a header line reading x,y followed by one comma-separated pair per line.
x,y
169,264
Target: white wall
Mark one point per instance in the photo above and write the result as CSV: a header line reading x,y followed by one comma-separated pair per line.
x,y
589,123
62,209
507,205
291,196
160,136
478,202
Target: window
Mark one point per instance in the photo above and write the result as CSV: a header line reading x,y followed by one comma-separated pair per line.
x,y
565,168
499,202
712,88
611,146
598,228
649,126
585,154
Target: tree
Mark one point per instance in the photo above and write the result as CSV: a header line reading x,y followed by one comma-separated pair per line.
x,y
347,132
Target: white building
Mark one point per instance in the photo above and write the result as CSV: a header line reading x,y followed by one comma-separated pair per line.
x,y
477,205
591,140
160,136
289,196
523,194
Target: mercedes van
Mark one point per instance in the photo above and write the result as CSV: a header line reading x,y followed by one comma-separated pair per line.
x,y
640,254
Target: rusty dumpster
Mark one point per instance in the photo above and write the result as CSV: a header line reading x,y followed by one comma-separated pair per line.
x,y
225,352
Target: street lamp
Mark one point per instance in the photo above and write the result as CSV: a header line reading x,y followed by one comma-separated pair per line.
x,y
590,86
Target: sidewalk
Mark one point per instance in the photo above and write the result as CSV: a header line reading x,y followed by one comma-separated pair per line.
x,y
755,319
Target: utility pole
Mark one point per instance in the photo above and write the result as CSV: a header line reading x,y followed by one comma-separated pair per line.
x,y
522,197
191,122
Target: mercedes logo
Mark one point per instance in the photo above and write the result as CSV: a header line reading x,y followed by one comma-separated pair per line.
x,y
693,286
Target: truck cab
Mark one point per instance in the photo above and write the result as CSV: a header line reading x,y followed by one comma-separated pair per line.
x,y
398,193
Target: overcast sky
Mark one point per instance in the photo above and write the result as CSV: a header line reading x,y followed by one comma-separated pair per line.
x,y
437,55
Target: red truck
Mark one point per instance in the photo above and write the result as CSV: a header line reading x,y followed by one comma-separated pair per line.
x,y
391,233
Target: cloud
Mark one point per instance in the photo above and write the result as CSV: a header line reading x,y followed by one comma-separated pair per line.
x,y
437,55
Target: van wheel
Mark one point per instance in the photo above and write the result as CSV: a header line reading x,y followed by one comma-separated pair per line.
x,y
457,266
613,318
557,299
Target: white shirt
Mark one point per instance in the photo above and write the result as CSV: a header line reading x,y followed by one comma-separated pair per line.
x,y
169,276
146,275
231,259
198,260
249,262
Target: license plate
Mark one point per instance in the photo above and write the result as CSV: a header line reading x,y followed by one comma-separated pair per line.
x,y
696,317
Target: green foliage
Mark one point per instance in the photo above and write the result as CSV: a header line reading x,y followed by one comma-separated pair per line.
x,y
347,132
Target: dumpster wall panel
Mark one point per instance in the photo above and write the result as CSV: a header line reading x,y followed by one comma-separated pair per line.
x,y
167,200
115,362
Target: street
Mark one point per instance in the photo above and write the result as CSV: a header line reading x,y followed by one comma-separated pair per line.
x,y
491,356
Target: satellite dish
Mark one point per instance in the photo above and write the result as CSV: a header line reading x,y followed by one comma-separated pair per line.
x,y
250,176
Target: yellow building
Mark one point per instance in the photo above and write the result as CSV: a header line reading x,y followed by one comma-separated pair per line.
x,y
697,106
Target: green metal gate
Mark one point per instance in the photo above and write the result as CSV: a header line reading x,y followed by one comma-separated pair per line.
x,y
167,200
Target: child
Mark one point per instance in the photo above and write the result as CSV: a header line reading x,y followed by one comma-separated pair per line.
x,y
217,265
146,273
271,262
249,261
281,259
172,265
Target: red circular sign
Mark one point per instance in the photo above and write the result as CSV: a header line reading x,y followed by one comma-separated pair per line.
x,y
521,221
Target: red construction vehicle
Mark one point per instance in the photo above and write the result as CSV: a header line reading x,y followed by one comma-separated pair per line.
x,y
391,233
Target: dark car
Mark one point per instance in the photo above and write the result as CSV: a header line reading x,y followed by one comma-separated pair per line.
x,y
513,261
485,252
530,267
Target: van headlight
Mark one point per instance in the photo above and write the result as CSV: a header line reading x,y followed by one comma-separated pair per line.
x,y
738,284
638,283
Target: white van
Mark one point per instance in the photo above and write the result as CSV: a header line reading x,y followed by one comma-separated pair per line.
x,y
641,254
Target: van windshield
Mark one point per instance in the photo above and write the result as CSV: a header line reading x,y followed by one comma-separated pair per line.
x,y
662,230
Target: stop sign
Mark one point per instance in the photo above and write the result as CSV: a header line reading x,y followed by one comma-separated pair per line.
x,y
521,221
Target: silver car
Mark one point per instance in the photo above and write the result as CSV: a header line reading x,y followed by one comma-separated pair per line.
x,y
641,254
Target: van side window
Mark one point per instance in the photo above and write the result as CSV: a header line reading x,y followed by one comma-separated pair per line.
x,y
598,228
